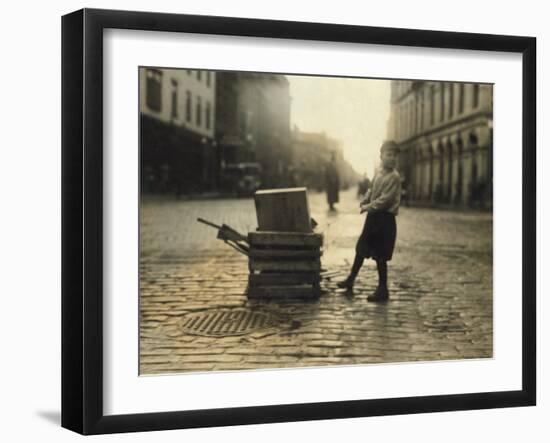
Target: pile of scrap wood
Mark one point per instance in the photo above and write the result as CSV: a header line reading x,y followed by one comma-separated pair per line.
x,y
284,253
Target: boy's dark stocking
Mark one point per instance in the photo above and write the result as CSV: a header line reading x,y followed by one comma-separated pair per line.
x,y
381,293
382,266
357,263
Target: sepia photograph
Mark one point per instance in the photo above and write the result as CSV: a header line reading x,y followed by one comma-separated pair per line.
x,y
294,221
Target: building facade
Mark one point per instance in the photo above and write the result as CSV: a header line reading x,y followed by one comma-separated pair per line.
x,y
253,123
445,134
311,153
177,130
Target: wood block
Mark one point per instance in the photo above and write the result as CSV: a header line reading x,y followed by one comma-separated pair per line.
x,y
284,253
283,210
270,238
260,264
283,292
284,278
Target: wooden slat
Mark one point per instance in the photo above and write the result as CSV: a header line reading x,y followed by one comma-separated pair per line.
x,y
283,210
269,238
284,253
283,292
259,264
281,279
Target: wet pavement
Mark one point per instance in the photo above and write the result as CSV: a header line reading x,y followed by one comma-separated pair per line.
x,y
195,316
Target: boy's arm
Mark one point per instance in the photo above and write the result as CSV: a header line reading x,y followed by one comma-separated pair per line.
x,y
390,193
367,197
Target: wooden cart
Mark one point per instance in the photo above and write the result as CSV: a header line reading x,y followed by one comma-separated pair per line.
x,y
284,254
284,264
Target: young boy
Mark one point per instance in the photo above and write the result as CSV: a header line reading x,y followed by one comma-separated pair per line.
x,y
378,237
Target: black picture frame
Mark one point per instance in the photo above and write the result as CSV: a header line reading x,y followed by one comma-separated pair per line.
x,y
82,220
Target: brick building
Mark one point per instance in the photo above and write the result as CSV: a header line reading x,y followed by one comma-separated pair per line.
x,y
445,134
177,129
311,152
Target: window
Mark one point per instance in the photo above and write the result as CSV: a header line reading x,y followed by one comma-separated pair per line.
x,y
451,100
421,98
243,123
475,99
432,105
397,124
406,117
199,75
414,104
442,102
208,115
198,114
416,114
188,110
189,72
208,78
411,117
402,123
461,98
174,98
153,89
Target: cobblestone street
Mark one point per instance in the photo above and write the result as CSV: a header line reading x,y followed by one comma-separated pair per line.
x,y
440,282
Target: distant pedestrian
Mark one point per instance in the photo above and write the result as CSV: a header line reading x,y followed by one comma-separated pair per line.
x,y
332,183
377,240
405,192
363,186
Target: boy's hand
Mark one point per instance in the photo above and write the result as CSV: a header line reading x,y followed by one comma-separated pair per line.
x,y
366,198
364,207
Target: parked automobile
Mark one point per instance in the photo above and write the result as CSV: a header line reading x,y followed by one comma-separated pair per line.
x,y
242,178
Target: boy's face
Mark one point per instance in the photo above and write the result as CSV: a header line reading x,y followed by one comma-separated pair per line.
x,y
389,159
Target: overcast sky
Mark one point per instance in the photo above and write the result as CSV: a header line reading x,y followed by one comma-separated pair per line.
x,y
354,111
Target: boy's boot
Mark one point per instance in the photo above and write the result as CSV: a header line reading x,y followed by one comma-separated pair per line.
x,y
380,295
347,283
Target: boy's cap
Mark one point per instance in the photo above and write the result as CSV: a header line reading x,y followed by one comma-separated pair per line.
x,y
389,145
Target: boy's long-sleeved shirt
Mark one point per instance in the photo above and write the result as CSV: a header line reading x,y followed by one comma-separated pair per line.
x,y
385,193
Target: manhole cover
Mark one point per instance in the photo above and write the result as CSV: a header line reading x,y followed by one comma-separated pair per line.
x,y
225,322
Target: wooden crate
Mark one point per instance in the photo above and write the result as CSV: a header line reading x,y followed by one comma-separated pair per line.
x,y
284,265
278,265
284,253
283,210
280,239
283,278
283,292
